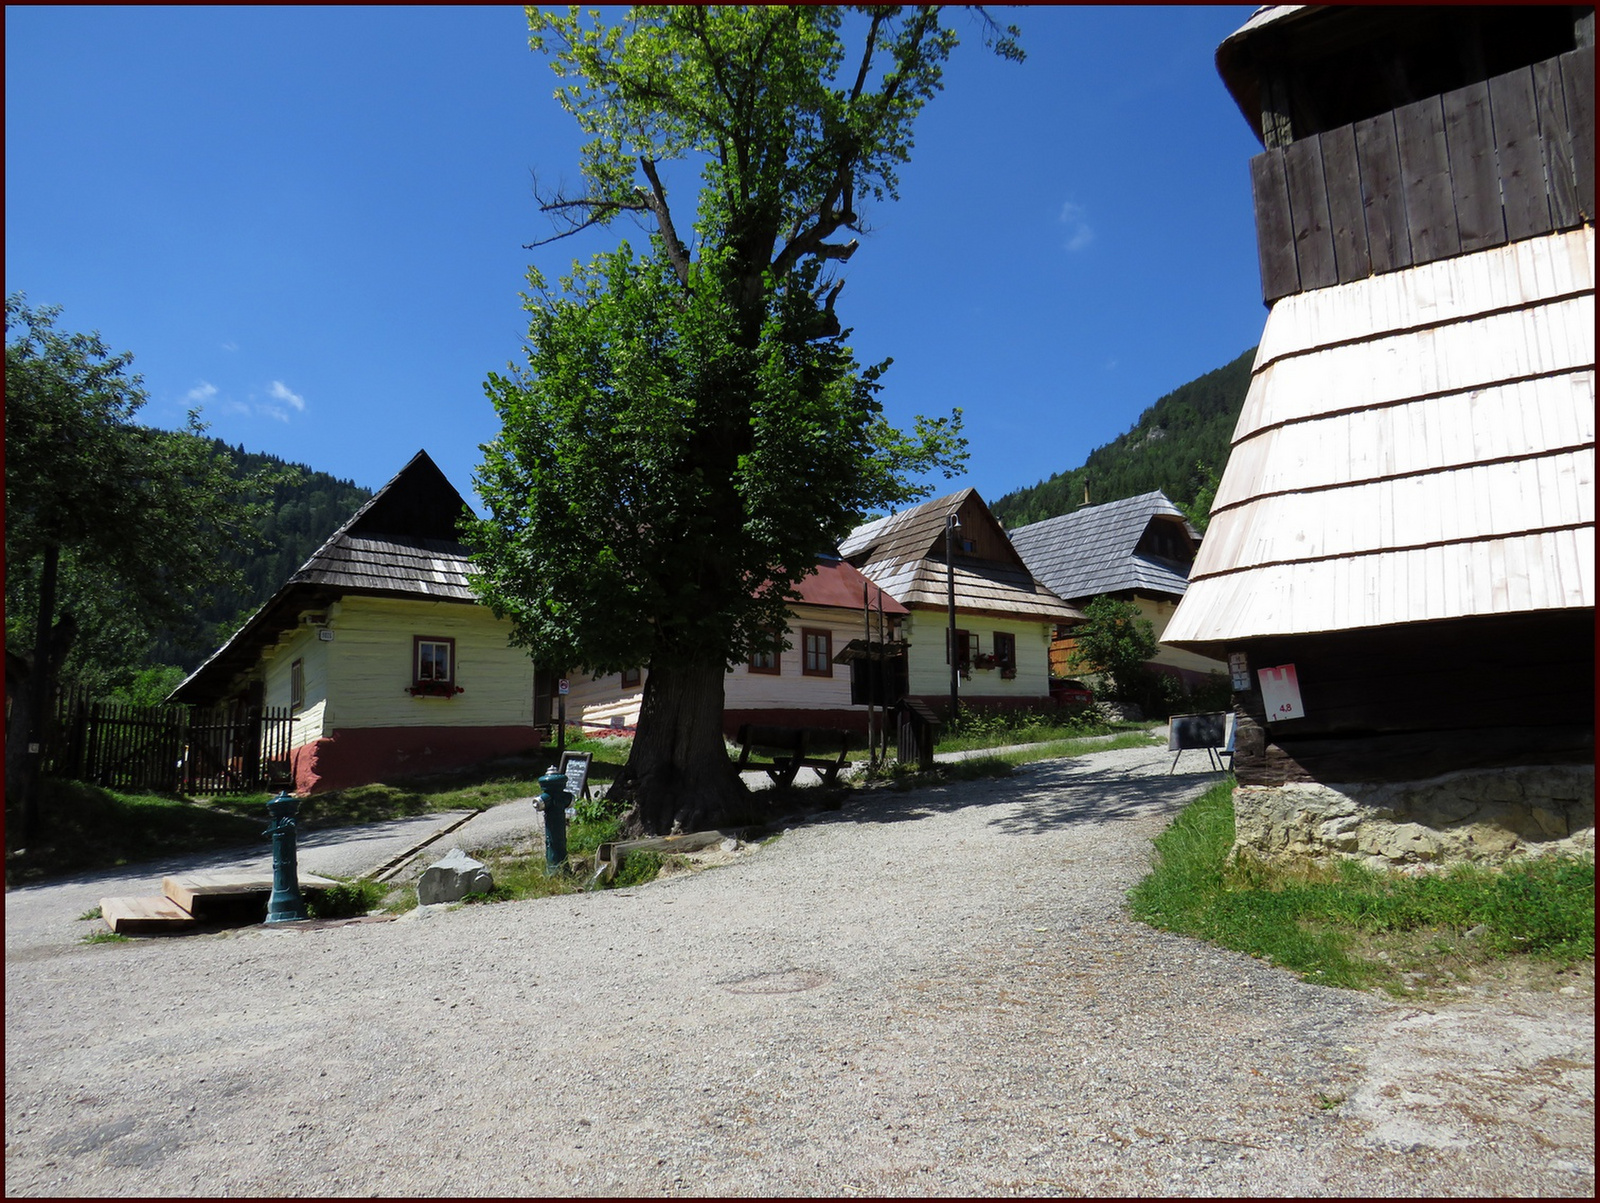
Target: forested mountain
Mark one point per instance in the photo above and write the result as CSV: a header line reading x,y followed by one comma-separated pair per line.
x,y
303,514
1179,445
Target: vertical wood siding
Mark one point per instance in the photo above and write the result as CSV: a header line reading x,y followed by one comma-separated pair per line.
x,y
1497,161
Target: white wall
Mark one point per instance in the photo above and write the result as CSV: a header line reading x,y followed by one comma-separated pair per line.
x,y
928,630
596,703
299,644
370,666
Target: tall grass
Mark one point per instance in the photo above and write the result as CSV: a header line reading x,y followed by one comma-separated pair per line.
x,y
1348,925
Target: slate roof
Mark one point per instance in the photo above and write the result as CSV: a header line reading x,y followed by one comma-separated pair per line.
x,y
903,554
401,543
1092,551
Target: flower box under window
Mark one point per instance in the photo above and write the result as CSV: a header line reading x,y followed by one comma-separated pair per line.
x,y
433,668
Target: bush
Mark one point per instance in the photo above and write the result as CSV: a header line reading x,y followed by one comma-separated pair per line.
x,y
346,899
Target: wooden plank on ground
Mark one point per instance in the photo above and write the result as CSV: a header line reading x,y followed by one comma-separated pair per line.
x,y
129,915
206,893
1346,214
1474,175
1308,213
1516,140
1383,194
1425,173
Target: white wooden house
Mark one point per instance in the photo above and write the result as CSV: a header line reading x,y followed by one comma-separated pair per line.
x,y
1005,618
1137,550
1400,557
385,656
804,685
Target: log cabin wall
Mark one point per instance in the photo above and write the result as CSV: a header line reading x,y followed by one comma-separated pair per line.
x,y
1407,703
1500,160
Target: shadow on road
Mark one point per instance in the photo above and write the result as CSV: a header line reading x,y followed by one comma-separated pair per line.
x,y
1041,797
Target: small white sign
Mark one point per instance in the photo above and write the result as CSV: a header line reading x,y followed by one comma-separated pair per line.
x,y
325,635
1239,670
1280,690
562,687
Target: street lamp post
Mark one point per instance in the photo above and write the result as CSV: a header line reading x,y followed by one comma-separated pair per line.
x,y
951,525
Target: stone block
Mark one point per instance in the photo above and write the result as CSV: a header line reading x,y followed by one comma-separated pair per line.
x,y
452,878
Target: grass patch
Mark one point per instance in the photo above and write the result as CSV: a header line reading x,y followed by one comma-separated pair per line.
x,y
977,728
347,899
106,937
83,827
904,776
1347,925
92,913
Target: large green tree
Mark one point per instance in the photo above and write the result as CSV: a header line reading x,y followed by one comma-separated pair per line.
x,y
690,429
112,528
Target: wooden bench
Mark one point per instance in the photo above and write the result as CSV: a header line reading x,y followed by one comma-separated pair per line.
x,y
793,748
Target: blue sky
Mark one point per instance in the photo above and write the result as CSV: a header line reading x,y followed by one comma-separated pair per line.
x,y
309,222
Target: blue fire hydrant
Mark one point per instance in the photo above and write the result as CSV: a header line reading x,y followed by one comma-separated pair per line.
x,y
553,802
286,904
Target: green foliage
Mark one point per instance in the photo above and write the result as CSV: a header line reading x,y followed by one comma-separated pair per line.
x,y
714,367
149,687
1116,642
105,937
134,515
346,899
983,727
636,869
1331,923
300,509
1179,445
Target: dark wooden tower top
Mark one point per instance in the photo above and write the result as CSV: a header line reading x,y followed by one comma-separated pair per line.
x,y
1397,136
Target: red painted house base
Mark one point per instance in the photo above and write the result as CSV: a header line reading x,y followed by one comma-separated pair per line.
x,y
366,755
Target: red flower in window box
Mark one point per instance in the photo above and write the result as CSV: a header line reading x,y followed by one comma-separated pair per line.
x,y
434,689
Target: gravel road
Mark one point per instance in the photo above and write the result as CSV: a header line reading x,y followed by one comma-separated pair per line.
x,y
930,992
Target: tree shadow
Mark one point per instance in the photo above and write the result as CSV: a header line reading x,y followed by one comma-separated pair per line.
x,y
1038,798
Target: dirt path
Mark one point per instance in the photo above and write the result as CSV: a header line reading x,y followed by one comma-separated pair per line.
x,y
930,992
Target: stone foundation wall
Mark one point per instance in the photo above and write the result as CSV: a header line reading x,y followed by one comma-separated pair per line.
x,y
1483,815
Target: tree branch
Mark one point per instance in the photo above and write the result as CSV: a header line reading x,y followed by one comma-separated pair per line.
x,y
656,199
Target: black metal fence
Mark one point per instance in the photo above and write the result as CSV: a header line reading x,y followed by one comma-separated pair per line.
x,y
168,749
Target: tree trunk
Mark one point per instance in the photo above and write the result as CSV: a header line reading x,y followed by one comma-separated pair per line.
x,y
679,772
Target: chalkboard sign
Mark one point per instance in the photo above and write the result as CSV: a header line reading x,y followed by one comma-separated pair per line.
x,y
1200,731
1186,731
576,767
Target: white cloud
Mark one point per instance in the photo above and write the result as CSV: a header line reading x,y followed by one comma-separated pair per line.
x,y
202,392
230,345
274,411
280,391
1075,219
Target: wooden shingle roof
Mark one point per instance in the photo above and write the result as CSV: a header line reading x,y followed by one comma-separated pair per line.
x,y
1414,447
401,543
904,554
1093,550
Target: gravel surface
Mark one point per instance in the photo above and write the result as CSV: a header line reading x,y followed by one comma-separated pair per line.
x,y
934,991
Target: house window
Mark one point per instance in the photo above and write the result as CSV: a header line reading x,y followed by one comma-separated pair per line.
x,y
769,661
1005,654
632,677
297,685
1005,649
966,647
434,660
818,652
